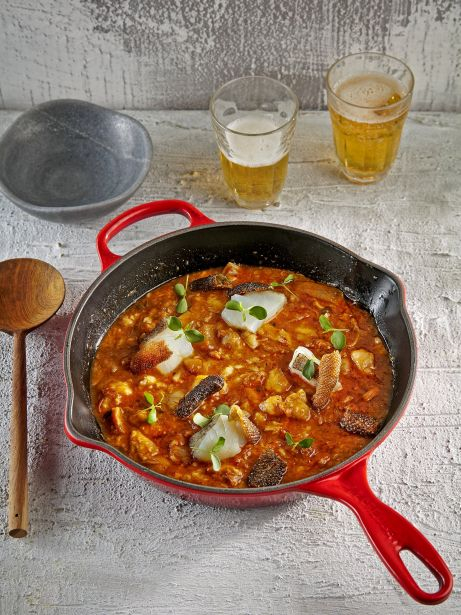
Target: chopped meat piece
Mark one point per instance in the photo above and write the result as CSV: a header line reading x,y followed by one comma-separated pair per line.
x,y
142,446
231,269
295,406
364,360
249,287
232,475
360,424
250,339
217,281
192,400
250,430
329,367
272,405
268,470
276,381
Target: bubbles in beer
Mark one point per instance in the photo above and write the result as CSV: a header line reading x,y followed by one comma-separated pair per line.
x,y
367,91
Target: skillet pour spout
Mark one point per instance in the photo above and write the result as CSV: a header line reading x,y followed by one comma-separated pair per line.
x,y
207,244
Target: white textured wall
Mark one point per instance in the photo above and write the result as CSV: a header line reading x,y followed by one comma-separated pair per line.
x,y
164,54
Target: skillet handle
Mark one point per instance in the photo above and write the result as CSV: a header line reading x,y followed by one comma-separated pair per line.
x,y
140,212
387,530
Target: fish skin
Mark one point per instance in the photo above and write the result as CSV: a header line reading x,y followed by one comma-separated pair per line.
x,y
327,379
216,281
249,287
359,424
192,400
149,355
268,470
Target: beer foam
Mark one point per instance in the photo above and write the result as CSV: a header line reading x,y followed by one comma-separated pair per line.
x,y
254,149
369,90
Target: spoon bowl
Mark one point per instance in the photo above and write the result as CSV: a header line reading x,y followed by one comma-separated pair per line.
x,y
31,291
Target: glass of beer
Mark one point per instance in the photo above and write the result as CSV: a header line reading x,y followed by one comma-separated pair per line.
x,y
369,95
254,119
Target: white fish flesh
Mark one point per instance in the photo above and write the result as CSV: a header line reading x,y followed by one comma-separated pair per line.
x,y
204,440
270,300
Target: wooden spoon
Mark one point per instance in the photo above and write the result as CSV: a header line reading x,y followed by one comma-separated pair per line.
x,y
31,291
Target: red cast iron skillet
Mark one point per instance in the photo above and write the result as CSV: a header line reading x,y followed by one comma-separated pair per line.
x,y
208,244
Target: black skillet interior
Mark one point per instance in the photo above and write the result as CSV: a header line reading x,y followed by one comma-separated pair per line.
x,y
210,246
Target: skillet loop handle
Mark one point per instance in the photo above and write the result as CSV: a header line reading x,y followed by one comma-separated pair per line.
x,y
140,212
387,530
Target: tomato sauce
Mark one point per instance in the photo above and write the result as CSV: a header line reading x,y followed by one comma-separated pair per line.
x,y
254,368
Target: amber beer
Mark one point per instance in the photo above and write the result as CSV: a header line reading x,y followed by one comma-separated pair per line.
x,y
368,111
254,119
255,166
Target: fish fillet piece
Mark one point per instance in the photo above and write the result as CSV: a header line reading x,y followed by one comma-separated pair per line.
x,y
327,379
268,470
217,281
301,355
220,425
271,301
249,287
163,349
360,424
192,400
249,429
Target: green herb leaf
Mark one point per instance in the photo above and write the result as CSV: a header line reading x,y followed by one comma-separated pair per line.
x,y
152,408
338,339
174,323
275,284
152,416
182,306
219,444
222,409
180,290
290,277
306,443
194,336
215,461
235,305
325,323
257,311
200,420
149,398
309,369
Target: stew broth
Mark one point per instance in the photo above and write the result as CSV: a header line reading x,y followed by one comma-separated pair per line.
x,y
255,368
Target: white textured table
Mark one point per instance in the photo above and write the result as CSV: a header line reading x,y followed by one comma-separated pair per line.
x,y
103,542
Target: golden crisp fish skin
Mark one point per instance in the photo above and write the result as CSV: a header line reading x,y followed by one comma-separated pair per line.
x,y
328,378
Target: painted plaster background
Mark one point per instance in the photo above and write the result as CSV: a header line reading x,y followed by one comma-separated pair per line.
x,y
171,54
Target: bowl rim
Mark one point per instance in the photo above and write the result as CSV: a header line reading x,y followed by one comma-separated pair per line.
x,y
115,200
301,484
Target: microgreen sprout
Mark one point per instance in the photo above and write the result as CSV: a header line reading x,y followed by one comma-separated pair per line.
x,y
152,407
337,339
215,460
290,278
181,291
257,311
222,409
309,369
305,443
192,335
202,421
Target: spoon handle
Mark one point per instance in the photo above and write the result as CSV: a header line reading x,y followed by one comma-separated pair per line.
x,y
18,507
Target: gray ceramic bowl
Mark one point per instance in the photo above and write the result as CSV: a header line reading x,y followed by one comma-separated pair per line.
x,y
69,160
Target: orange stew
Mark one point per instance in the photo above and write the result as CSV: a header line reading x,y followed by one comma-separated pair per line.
x,y
292,415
